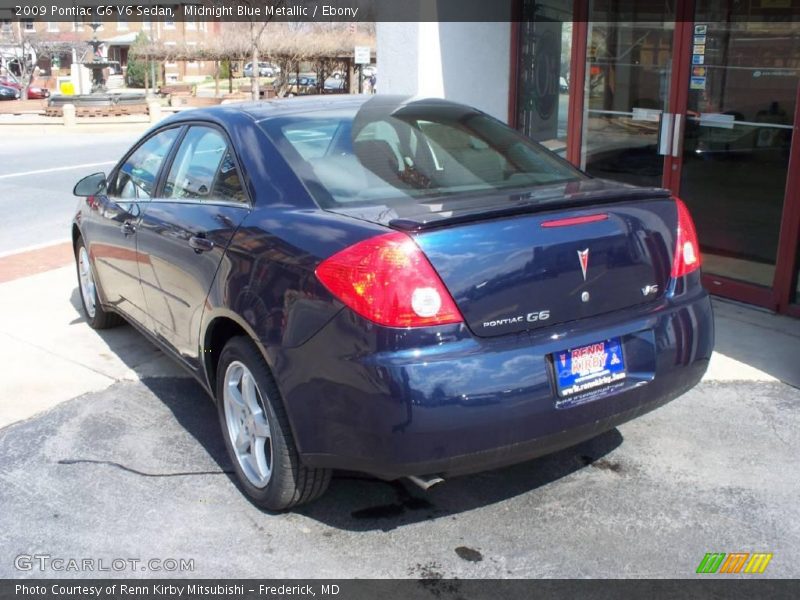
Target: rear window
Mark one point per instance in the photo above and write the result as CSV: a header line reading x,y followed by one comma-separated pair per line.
x,y
374,155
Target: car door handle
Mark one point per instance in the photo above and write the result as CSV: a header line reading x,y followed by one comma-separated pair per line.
x,y
200,244
128,228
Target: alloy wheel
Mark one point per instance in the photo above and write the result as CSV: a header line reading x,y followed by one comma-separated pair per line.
x,y
88,288
248,424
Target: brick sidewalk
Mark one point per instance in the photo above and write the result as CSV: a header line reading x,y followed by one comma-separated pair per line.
x,y
31,262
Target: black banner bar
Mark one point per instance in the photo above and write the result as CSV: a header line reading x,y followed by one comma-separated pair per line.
x,y
733,587
355,11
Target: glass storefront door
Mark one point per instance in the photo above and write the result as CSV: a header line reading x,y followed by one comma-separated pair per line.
x,y
629,73
737,139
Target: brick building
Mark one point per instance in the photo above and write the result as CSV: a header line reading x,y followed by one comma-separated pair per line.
x,y
117,36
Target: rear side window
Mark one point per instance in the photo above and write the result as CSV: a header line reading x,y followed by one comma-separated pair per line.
x,y
204,169
416,151
311,139
136,177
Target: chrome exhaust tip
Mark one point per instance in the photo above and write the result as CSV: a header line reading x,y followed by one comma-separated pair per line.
x,y
425,482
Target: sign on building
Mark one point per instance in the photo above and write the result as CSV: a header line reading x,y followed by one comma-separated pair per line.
x,y
362,55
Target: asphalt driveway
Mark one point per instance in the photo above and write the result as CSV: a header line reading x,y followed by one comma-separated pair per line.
x,y
137,471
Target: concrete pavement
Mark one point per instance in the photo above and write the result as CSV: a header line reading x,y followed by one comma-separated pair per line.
x,y
49,354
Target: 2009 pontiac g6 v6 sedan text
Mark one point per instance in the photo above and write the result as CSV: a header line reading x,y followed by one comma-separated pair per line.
x,y
394,286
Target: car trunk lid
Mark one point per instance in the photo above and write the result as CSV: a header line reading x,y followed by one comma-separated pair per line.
x,y
547,258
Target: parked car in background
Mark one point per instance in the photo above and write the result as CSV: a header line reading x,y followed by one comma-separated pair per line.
x,y
335,85
265,69
406,288
8,93
306,85
34,92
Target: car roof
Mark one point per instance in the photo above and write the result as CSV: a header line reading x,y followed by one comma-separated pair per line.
x,y
283,107
279,107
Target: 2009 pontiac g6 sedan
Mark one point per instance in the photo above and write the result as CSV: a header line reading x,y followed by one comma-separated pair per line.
x,y
407,288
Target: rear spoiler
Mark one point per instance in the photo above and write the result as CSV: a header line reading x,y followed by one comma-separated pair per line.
x,y
525,204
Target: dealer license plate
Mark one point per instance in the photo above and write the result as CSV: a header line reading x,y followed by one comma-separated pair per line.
x,y
589,367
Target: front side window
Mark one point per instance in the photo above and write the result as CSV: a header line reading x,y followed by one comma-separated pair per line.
x,y
415,151
204,169
136,178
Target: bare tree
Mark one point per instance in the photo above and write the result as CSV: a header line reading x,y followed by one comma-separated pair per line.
x,y
256,25
232,44
324,48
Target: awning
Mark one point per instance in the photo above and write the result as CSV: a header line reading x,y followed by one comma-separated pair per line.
x,y
122,40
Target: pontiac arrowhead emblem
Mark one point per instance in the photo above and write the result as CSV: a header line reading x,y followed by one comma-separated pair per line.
x,y
583,257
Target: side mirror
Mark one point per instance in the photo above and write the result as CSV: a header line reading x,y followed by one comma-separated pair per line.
x,y
91,185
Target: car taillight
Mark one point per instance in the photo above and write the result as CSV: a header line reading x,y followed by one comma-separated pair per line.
x,y
687,250
387,279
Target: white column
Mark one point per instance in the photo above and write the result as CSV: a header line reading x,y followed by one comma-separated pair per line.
x,y
463,62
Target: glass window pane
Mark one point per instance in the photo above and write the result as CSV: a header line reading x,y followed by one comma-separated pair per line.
x,y
545,52
228,186
628,71
192,173
411,151
137,176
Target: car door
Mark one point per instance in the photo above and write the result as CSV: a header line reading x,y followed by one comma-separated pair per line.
x,y
110,232
184,232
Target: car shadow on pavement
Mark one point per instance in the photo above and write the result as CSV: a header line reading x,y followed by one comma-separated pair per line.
x,y
360,503
357,502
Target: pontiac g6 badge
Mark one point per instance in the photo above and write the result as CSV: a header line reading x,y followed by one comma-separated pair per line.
x,y
583,257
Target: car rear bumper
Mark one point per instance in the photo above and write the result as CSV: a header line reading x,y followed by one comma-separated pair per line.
x,y
365,398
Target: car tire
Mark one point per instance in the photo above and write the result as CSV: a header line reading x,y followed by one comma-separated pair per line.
x,y
257,434
93,311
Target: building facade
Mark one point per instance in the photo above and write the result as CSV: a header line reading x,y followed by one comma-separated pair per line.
x,y
118,36
697,96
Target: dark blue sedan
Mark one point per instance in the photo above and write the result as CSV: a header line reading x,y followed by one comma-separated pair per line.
x,y
407,288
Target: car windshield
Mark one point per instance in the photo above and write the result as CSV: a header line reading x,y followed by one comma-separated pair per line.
x,y
386,151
